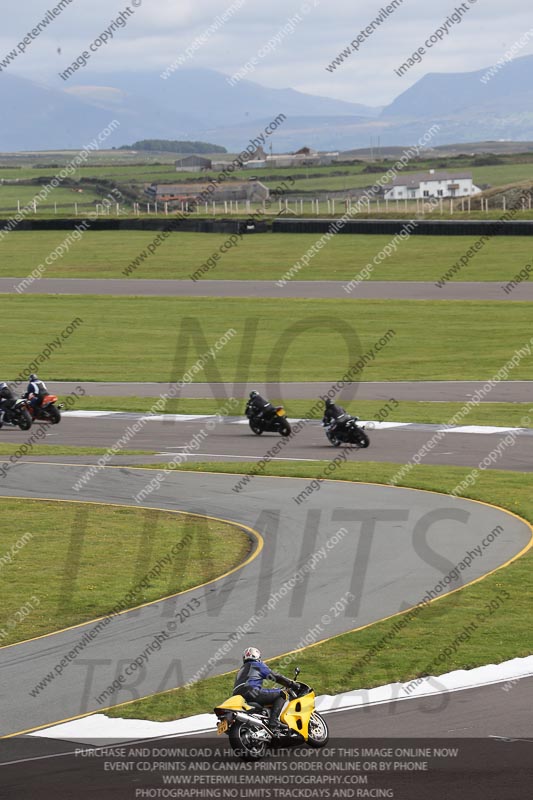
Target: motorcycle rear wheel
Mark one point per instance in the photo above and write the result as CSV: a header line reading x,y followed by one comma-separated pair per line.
x,y
285,430
24,420
318,732
53,415
243,744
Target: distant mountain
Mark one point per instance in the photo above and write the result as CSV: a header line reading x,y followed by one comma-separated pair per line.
x,y
200,104
35,117
205,97
186,106
440,96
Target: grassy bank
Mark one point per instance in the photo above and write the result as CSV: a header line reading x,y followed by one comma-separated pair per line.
x,y
104,254
72,562
8,449
161,339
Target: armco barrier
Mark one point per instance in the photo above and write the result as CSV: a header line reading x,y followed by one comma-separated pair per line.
x,y
389,227
425,227
157,224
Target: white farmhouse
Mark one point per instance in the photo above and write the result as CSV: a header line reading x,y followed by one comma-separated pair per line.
x,y
423,185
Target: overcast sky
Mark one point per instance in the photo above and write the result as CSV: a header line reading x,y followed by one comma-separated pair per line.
x,y
160,30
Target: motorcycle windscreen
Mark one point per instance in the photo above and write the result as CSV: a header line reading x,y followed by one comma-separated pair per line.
x,y
298,713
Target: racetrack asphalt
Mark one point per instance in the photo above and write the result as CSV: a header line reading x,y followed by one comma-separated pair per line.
x,y
366,290
375,548
231,440
450,391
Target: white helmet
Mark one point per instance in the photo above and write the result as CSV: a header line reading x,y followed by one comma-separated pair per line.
x,y
251,654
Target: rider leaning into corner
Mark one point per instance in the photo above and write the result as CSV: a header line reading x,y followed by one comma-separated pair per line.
x,y
36,391
259,406
335,415
249,684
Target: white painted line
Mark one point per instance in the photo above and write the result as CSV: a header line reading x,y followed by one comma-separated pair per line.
x,y
372,425
87,414
176,417
232,455
484,429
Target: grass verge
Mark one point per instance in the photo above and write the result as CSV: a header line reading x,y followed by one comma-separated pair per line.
x,y
72,562
337,665
505,414
162,338
66,450
105,254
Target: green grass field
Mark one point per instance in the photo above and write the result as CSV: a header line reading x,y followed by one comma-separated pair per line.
x,y
64,197
7,449
307,178
505,414
335,666
261,257
149,339
82,559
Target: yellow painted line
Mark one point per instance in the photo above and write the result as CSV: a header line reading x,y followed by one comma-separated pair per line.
x,y
301,649
253,534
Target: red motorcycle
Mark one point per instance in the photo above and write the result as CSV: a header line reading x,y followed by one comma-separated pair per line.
x,y
47,411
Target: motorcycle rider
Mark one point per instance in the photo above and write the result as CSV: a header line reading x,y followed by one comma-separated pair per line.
x,y
36,390
7,400
249,684
335,415
259,406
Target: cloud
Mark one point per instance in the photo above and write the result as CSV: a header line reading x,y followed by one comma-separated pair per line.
x,y
161,30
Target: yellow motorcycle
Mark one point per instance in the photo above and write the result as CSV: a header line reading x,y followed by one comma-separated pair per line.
x,y
247,726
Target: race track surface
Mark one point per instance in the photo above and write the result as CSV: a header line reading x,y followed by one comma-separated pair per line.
x,y
232,440
452,391
366,290
382,558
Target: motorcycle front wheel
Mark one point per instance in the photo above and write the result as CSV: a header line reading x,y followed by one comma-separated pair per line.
x,y
244,744
318,733
257,429
333,439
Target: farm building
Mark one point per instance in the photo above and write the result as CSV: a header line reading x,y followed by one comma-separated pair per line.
x,y
431,184
193,164
254,191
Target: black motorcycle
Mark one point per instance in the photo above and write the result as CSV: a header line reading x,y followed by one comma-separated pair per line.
x,y
345,430
17,415
275,421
